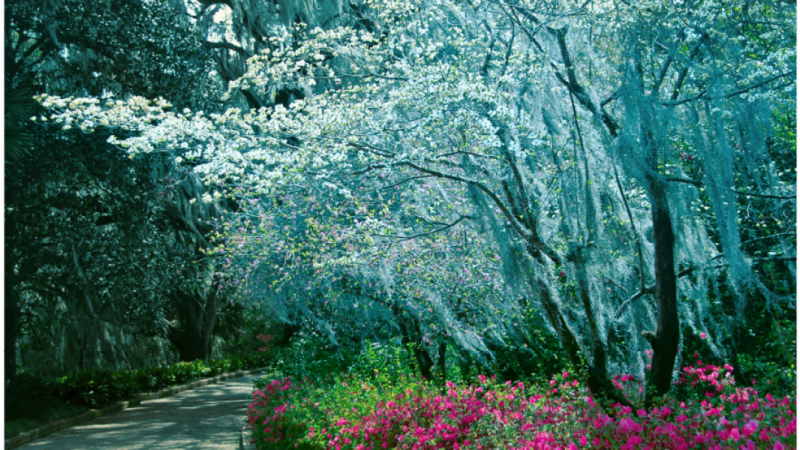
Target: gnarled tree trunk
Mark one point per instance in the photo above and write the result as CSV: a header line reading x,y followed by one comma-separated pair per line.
x,y
197,315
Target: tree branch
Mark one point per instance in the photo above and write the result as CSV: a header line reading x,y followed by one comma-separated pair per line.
x,y
702,95
572,83
686,180
638,238
759,84
682,76
407,238
405,181
748,194
372,149
516,20
652,288
482,187
776,197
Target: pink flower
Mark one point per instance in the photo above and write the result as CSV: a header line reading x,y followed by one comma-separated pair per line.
x,y
750,428
702,335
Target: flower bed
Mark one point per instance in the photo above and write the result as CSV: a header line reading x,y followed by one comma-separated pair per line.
x,y
410,414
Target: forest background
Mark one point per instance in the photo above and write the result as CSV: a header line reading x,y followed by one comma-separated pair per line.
x,y
511,188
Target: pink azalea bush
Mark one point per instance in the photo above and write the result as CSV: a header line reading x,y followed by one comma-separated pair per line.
x,y
412,414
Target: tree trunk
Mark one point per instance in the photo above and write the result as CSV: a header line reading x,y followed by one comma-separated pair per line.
x,y
284,334
464,364
12,313
597,376
11,305
196,318
424,361
597,380
666,338
412,336
443,360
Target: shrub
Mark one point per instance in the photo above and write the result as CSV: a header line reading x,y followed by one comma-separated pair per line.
x,y
312,357
96,388
375,414
28,396
90,388
218,366
186,372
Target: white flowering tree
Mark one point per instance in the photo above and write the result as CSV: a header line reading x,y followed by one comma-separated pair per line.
x,y
588,167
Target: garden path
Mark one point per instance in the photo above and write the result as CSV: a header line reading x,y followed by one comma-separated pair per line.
x,y
207,417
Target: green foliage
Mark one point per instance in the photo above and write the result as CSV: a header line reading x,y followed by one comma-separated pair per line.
x,y
134,47
389,359
78,215
93,388
85,239
97,388
25,398
310,356
312,408
18,106
353,412
769,376
218,366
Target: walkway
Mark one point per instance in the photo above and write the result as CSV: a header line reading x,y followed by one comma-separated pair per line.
x,y
207,417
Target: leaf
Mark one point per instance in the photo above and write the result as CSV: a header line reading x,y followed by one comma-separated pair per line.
x,y
18,107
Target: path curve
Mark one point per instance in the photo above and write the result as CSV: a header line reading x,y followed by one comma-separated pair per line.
x,y
207,417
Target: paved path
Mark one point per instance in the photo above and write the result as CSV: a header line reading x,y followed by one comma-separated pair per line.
x,y
207,417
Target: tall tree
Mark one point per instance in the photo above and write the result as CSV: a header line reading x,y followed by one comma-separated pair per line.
x,y
562,145
86,264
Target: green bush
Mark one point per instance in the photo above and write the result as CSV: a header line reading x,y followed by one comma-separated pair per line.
x,y
218,366
26,397
379,412
96,388
311,356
